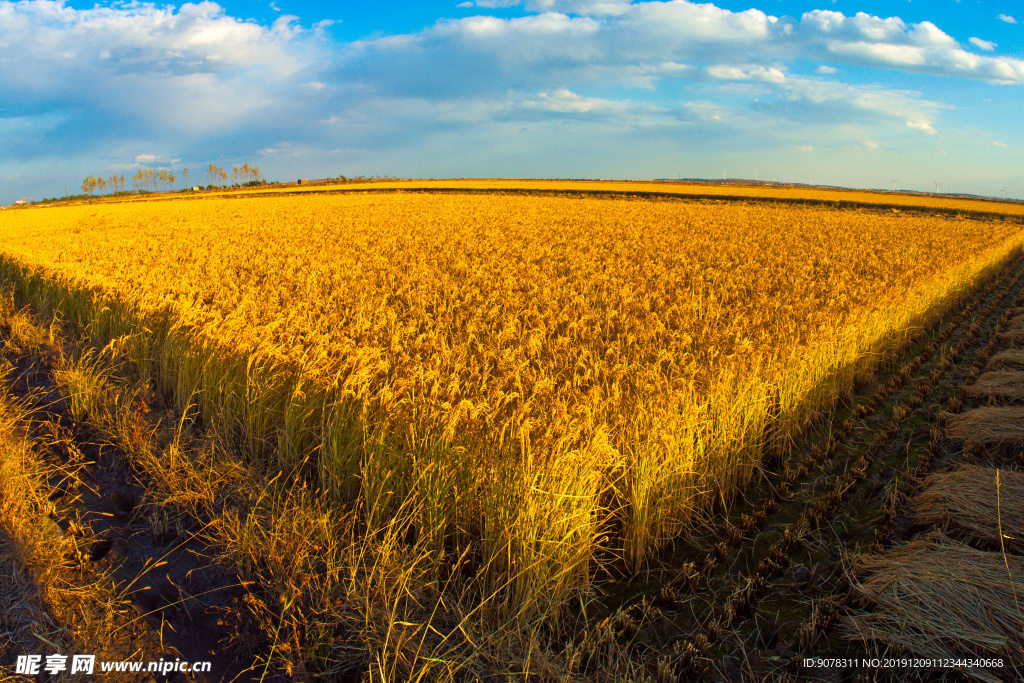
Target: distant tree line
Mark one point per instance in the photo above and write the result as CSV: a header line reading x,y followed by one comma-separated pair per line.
x,y
245,174
92,183
163,179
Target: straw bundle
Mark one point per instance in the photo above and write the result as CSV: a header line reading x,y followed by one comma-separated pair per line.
x,y
987,426
999,385
1012,359
967,503
1013,338
1016,323
938,598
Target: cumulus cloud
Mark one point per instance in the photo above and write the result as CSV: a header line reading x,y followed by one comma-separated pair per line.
x,y
138,69
890,42
625,40
145,158
824,69
588,7
803,97
985,45
1007,18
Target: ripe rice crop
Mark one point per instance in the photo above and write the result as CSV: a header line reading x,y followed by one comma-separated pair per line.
x,y
783,193
528,377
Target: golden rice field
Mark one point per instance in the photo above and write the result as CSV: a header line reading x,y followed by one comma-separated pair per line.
x,y
539,378
642,188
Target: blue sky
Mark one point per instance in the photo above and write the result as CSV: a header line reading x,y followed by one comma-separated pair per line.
x,y
836,92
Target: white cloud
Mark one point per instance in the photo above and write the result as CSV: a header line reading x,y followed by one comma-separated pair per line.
x,y
151,70
492,3
921,125
891,43
623,41
823,69
564,101
1007,18
985,45
806,148
583,7
746,73
882,54
145,158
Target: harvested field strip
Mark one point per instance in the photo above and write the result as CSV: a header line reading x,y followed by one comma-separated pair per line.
x,y
897,503
934,597
988,426
998,386
979,504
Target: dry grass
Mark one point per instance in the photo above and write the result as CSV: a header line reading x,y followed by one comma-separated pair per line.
x,y
1016,323
26,625
968,503
50,601
987,426
1010,359
935,597
998,385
